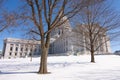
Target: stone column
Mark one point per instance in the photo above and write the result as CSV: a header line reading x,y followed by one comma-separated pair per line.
x,y
7,50
108,45
18,52
103,45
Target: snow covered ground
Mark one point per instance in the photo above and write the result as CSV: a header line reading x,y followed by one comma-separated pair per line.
x,y
107,67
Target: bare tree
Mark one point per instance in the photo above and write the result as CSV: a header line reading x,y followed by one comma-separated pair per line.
x,y
6,19
97,20
31,45
46,15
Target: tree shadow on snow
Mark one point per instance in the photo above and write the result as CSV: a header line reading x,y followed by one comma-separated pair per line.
x,y
2,73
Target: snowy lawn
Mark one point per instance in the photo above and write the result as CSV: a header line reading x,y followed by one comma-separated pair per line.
x,y
107,67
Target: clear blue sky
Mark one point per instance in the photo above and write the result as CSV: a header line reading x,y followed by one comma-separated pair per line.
x,y
12,4
115,44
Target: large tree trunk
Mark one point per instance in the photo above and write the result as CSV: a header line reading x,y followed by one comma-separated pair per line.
x,y
43,63
44,53
43,60
92,57
92,54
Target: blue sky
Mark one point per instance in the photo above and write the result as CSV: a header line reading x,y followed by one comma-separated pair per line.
x,y
115,44
12,4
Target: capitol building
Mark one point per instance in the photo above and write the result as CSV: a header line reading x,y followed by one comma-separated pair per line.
x,y
73,41
64,41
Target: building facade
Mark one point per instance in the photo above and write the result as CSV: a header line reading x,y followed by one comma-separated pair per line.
x,y
64,41
14,48
67,40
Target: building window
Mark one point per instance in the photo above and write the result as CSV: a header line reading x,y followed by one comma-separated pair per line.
x,y
31,49
30,54
11,44
59,32
20,54
16,49
15,54
11,48
21,49
10,53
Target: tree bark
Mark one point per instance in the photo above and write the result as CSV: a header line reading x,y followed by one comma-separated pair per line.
x,y
44,53
43,60
92,54
92,57
43,63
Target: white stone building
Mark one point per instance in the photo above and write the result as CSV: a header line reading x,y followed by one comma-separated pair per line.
x,y
64,41
14,48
